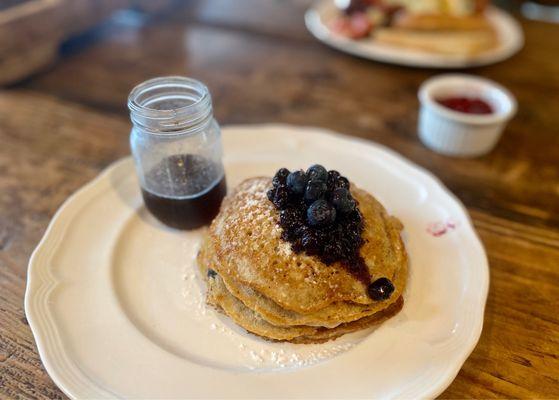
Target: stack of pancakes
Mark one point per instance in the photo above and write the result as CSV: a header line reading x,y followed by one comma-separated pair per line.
x,y
256,279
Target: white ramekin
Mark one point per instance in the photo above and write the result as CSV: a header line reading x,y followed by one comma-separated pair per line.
x,y
459,134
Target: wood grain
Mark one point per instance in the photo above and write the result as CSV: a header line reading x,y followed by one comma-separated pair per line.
x,y
60,128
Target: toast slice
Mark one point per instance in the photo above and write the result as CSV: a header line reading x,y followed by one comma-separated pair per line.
x,y
459,43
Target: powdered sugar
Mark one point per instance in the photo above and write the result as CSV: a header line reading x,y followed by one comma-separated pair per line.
x,y
284,248
248,351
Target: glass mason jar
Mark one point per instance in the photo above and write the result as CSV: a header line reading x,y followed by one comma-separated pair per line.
x,y
176,145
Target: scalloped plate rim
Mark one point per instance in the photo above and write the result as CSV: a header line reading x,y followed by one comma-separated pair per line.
x,y
60,222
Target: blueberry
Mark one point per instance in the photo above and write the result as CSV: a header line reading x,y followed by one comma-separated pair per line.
x,y
303,230
342,182
332,178
315,190
287,235
321,235
289,218
281,197
381,289
333,251
356,216
317,173
280,177
211,273
321,213
333,174
342,200
297,182
270,194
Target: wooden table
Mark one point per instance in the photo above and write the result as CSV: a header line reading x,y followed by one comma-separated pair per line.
x,y
61,127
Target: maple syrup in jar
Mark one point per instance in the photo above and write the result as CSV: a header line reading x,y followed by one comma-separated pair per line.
x,y
176,145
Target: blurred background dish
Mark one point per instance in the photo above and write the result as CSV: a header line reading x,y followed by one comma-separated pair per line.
x,y
403,33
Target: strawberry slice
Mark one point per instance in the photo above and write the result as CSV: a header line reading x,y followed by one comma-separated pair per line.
x,y
356,26
360,25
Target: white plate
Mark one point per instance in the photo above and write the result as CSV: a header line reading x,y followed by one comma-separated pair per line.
x,y
511,40
118,310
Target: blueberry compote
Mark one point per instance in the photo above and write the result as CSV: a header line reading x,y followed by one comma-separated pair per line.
x,y
319,216
198,187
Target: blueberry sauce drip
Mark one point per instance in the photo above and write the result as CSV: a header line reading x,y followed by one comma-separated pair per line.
x,y
319,216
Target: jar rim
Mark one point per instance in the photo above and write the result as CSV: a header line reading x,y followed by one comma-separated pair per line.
x,y
181,118
136,106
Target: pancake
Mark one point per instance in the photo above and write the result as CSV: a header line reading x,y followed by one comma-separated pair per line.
x,y
220,297
249,251
330,316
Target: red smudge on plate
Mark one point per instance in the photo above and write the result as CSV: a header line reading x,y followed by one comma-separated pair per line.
x,y
438,229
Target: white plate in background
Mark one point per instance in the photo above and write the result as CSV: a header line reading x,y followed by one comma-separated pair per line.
x,y
511,40
117,308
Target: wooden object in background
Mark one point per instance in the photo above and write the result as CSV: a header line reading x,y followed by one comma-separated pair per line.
x,y
31,31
